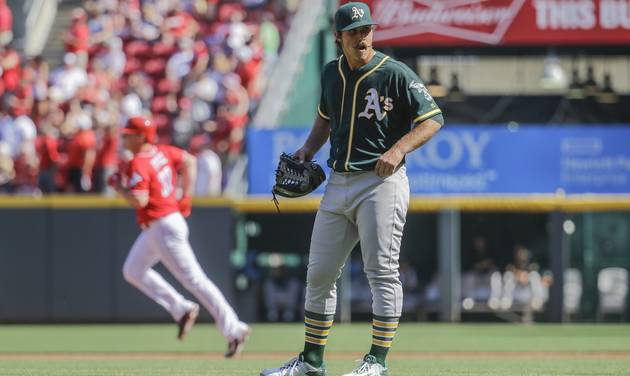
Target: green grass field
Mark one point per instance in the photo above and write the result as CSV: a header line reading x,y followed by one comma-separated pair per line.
x,y
419,349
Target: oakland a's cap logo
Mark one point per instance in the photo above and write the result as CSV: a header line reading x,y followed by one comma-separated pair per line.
x,y
357,13
353,15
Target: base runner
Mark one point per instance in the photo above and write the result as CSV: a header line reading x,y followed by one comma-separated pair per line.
x,y
149,186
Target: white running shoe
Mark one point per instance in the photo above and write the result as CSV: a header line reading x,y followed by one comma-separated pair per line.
x,y
368,367
295,367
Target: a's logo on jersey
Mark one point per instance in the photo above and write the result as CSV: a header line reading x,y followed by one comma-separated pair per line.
x,y
421,89
357,13
135,179
374,103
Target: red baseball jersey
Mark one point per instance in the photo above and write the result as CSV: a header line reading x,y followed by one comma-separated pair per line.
x,y
155,171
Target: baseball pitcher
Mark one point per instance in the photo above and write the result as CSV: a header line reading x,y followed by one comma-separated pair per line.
x,y
374,110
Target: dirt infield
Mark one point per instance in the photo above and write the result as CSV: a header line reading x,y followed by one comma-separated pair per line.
x,y
283,356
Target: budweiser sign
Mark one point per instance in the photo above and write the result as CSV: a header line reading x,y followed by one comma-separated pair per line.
x,y
474,20
501,22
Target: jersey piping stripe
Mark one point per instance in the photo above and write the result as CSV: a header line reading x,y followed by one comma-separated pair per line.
x,y
378,128
343,93
370,142
354,103
427,115
364,162
319,111
369,153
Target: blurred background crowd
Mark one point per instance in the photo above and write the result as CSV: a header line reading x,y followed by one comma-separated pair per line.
x,y
198,66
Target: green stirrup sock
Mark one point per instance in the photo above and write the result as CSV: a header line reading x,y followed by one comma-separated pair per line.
x,y
383,332
316,328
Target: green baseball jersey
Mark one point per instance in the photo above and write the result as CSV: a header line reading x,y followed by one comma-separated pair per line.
x,y
370,109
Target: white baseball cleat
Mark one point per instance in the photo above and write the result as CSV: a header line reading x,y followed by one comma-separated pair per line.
x,y
368,367
187,321
295,367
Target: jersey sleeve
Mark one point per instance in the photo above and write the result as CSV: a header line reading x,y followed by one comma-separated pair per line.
x,y
421,103
138,177
322,109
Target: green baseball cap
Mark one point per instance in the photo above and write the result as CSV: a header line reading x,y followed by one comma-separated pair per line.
x,y
352,15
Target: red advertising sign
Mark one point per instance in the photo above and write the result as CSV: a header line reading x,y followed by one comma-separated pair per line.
x,y
501,22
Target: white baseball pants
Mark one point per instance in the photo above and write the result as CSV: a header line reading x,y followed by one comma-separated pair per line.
x,y
166,241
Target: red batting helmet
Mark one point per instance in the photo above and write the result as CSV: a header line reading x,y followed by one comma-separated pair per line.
x,y
140,125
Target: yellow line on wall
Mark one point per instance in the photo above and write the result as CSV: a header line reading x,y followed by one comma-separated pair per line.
x,y
418,204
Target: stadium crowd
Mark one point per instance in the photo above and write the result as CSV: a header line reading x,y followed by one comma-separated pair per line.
x,y
197,67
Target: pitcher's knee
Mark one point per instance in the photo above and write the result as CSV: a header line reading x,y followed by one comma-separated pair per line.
x,y
382,276
318,277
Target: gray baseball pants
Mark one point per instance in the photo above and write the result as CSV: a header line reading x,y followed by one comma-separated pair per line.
x,y
359,206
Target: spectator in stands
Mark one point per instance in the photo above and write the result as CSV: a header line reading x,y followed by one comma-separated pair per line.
x,y
410,284
106,162
47,147
478,267
181,24
7,172
16,129
77,38
200,61
26,164
100,22
180,63
6,24
522,283
39,69
209,170
197,64
19,132
269,37
23,97
282,294
139,94
10,63
81,152
70,78
112,58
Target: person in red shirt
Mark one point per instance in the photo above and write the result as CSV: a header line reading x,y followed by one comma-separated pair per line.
x,y
26,167
11,69
6,23
77,38
148,184
106,156
81,154
47,147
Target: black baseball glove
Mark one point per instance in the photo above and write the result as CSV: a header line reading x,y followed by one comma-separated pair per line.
x,y
295,179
